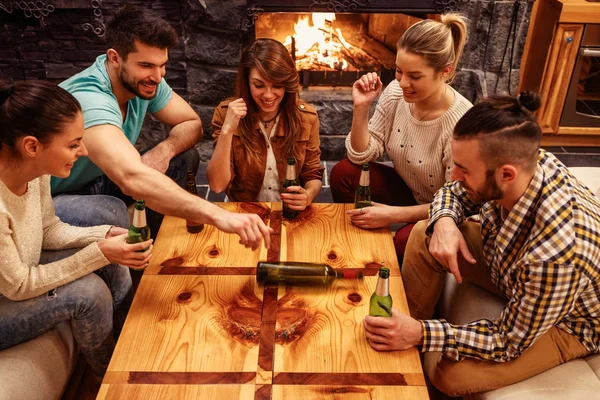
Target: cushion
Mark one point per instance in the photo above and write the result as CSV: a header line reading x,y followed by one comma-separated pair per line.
x,y
40,368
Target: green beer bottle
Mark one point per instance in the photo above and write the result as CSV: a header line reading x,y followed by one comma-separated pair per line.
x,y
138,230
381,301
191,226
362,195
290,180
302,273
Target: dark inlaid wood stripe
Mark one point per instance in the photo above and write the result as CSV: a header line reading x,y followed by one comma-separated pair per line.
x,y
190,378
275,249
309,378
201,270
263,392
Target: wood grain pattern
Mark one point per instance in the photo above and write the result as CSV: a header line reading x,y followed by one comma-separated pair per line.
x,y
175,392
209,248
191,324
323,234
321,330
348,378
339,392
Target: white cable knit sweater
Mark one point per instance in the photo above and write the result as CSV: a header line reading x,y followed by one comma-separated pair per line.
x,y
28,225
419,150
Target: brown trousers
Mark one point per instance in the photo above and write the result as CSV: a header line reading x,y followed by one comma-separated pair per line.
x,y
424,279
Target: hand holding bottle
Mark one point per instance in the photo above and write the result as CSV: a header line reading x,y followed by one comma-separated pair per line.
x,y
398,332
366,89
236,110
118,251
377,216
296,198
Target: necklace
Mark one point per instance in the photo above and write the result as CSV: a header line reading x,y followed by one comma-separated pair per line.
x,y
268,121
432,108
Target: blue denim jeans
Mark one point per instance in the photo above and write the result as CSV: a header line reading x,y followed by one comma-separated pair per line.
x,y
95,304
102,202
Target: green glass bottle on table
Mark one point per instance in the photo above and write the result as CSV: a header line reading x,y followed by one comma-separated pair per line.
x,y
290,180
191,226
381,301
139,231
302,273
362,195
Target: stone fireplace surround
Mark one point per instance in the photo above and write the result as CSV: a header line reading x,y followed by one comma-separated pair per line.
x,y
213,32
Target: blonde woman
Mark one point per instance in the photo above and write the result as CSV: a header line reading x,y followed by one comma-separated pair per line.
x,y
412,124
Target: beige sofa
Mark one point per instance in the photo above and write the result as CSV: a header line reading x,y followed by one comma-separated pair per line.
x,y
577,379
40,368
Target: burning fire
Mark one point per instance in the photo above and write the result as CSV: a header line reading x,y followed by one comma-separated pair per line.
x,y
318,44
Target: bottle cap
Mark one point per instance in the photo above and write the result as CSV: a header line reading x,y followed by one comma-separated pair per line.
x,y
140,204
291,161
384,272
365,167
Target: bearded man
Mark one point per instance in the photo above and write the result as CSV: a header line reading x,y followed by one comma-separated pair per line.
x,y
115,93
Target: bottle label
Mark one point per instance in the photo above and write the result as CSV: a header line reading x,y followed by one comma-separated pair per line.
x,y
383,287
139,219
364,178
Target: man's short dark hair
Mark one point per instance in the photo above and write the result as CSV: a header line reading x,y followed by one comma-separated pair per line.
x,y
507,129
132,23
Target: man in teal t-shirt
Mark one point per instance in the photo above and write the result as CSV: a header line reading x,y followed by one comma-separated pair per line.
x,y
115,93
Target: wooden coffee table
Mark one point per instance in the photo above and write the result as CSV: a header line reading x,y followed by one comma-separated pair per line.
x,y
200,326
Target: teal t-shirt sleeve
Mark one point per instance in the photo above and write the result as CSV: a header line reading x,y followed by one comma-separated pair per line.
x,y
99,108
162,98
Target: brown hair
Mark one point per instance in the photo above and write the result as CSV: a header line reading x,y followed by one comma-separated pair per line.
x,y
506,127
273,61
34,108
132,23
440,43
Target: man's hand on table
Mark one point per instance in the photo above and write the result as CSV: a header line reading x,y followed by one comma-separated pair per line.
x,y
446,242
249,227
398,332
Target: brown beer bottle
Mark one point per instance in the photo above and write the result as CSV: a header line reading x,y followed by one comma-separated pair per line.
x,y
192,227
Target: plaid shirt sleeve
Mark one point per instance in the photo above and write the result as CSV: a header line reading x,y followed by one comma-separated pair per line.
x,y
451,200
545,293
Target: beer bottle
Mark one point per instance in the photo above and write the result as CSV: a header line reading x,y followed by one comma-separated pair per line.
x,y
302,273
362,195
290,180
191,226
139,231
381,301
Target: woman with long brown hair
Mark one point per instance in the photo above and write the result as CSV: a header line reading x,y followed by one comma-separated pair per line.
x,y
264,125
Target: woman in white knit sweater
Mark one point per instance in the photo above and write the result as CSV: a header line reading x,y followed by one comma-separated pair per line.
x,y
41,127
412,124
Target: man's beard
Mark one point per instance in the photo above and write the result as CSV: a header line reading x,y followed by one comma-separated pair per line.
x,y
133,88
491,190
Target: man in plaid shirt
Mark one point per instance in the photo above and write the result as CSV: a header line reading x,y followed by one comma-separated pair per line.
x,y
538,245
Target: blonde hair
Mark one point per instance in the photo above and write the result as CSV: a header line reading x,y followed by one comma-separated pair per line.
x,y
440,43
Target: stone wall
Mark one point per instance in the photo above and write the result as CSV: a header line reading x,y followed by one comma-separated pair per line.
x,y
56,38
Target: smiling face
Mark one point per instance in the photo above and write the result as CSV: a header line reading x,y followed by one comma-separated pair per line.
x,y
266,94
417,79
143,70
472,173
57,157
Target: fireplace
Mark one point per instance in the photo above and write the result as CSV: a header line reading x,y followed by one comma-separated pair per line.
x,y
333,43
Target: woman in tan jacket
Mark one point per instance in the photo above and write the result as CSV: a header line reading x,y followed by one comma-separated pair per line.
x,y
265,124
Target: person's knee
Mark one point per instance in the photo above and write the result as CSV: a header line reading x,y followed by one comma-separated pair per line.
x,y
418,237
341,170
446,375
114,212
91,210
94,298
189,160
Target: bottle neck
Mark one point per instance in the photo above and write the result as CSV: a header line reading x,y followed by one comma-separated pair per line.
x,y
383,287
364,178
290,172
139,218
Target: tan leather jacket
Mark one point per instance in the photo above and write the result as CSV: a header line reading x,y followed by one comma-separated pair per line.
x,y
247,178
